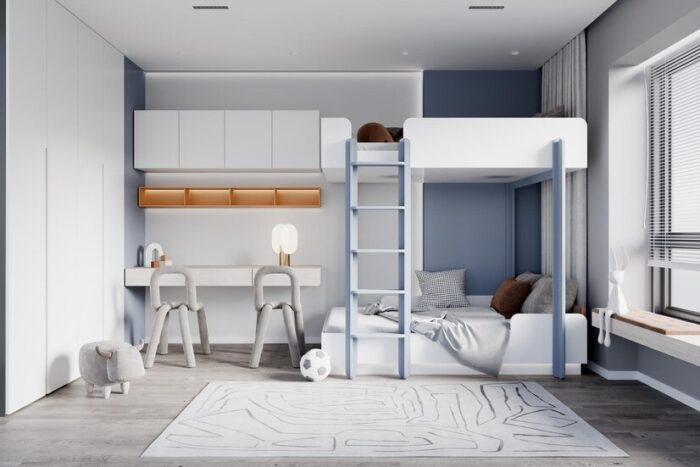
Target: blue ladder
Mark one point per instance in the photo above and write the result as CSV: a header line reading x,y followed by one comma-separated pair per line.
x,y
352,251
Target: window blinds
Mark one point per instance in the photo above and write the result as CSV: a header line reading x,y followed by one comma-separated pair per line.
x,y
673,218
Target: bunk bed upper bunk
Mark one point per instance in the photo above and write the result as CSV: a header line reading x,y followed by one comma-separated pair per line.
x,y
466,150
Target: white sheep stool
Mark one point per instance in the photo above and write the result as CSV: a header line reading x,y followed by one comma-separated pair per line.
x,y
105,363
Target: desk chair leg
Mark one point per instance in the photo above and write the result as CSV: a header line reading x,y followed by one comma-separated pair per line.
x,y
186,337
299,324
163,344
203,331
260,330
288,315
155,335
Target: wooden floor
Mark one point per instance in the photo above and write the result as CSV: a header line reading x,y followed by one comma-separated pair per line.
x,y
69,429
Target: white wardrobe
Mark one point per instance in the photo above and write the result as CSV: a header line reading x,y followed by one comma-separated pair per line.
x,y
65,196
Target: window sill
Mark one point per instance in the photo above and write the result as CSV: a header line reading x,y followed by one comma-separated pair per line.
x,y
683,347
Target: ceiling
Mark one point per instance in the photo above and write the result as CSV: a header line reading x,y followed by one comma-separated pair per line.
x,y
335,35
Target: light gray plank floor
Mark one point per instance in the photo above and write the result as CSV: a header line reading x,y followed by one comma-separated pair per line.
x,y
69,429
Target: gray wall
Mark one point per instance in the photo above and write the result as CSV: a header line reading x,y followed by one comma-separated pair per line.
x,y
465,224
467,93
630,32
388,98
134,217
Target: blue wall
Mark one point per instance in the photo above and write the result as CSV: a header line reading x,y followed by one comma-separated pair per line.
x,y
134,217
465,223
481,93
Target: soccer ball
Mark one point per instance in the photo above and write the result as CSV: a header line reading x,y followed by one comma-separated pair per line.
x,y
315,365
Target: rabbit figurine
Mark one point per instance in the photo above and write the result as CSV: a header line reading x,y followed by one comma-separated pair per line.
x,y
617,304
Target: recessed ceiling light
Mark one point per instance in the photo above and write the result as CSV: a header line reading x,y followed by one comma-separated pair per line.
x,y
486,7
514,52
293,53
210,7
404,52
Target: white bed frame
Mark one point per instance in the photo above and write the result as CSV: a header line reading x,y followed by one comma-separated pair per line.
x,y
529,348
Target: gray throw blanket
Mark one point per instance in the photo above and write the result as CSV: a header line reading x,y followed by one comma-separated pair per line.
x,y
477,339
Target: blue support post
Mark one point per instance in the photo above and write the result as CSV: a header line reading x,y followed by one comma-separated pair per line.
x,y
350,259
558,260
405,258
510,230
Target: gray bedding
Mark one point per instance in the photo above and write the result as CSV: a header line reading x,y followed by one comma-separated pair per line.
x,y
477,337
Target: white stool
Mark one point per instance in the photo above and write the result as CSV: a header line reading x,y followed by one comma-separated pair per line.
x,y
159,335
293,316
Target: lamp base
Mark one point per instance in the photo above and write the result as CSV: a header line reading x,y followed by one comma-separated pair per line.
x,y
285,259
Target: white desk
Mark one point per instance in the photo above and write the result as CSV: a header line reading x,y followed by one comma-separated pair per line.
x,y
223,276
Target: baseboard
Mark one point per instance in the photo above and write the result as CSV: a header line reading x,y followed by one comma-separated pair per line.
x,y
663,388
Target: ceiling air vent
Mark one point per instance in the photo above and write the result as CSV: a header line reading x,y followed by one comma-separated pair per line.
x,y
486,7
210,7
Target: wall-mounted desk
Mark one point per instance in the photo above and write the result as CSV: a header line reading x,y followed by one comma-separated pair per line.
x,y
223,276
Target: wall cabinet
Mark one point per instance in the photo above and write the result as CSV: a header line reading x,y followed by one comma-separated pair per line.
x,y
245,140
248,139
157,139
202,139
65,197
295,139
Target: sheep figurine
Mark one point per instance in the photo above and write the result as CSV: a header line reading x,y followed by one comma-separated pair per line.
x,y
105,363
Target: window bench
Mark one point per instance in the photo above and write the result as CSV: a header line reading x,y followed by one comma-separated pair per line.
x,y
664,334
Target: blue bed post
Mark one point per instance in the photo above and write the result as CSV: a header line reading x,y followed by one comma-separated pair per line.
x,y
558,260
405,272
350,259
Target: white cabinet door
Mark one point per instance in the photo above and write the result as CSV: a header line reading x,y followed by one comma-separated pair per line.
x,y
295,140
63,324
25,191
113,189
248,139
201,139
156,139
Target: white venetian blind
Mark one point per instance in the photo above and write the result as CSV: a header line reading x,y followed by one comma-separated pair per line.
x,y
674,164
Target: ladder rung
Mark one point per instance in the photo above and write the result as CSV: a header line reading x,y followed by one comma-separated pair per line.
x,y
378,250
378,335
378,208
379,164
378,292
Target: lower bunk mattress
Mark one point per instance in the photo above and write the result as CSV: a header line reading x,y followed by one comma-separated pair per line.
x,y
529,350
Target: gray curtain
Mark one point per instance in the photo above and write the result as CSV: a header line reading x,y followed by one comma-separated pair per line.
x,y
564,85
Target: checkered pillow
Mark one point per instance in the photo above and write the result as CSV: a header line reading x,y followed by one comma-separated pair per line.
x,y
443,289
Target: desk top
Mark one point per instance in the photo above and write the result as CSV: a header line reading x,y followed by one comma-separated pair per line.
x,y
223,276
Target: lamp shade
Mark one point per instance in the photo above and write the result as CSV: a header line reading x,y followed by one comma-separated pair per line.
x,y
285,239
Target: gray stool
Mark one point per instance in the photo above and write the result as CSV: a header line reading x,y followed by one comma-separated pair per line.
x,y
159,335
293,316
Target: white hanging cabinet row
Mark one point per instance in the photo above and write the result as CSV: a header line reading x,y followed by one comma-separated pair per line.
x,y
227,140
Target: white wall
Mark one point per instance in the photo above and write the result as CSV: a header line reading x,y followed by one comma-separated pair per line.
x,y
388,98
242,236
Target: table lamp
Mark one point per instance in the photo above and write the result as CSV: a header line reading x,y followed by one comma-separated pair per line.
x,y
285,241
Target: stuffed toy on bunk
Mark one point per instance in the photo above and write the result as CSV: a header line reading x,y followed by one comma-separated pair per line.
x,y
617,304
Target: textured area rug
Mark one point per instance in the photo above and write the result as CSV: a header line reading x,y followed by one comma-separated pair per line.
x,y
385,419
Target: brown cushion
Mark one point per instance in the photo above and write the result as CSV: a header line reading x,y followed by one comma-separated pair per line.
x,y
509,297
374,133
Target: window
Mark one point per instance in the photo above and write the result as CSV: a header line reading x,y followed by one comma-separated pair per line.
x,y
674,177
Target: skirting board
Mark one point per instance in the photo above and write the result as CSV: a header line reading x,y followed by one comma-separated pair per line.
x,y
663,388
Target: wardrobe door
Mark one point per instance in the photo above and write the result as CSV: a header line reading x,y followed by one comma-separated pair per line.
x,y
295,140
156,139
113,192
64,329
248,139
201,139
89,245
25,197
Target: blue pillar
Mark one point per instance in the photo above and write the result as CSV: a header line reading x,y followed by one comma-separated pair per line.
x,y
558,260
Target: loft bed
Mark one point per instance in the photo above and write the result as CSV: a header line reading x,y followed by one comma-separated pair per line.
x,y
519,152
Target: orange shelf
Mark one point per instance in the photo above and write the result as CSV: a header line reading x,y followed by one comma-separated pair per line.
x,y
229,197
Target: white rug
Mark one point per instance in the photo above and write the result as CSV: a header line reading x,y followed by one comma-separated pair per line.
x,y
391,419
